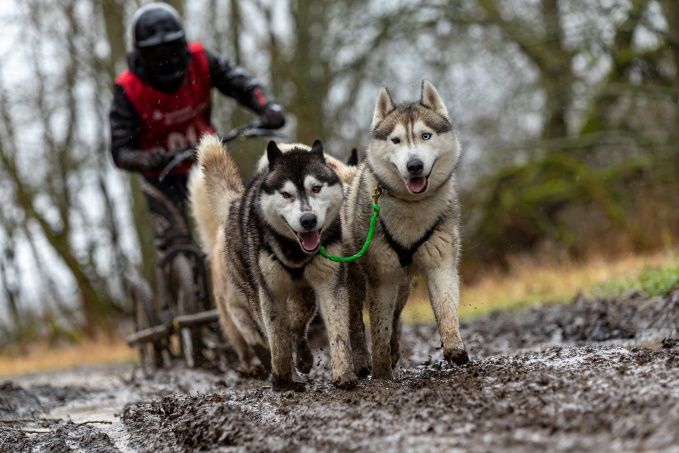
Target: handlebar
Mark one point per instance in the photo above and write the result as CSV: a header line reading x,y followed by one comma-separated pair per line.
x,y
250,130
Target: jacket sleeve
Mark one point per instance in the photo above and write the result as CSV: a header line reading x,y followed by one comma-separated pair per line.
x,y
125,125
234,81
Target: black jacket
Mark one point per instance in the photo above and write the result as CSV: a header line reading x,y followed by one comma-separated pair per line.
x,y
229,79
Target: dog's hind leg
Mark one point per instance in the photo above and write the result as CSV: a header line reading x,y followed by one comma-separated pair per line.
x,y
403,294
382,306
237,306
356,286
222,292
301,309
231,332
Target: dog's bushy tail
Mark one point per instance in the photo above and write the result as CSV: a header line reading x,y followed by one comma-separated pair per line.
x,y
214,183
345,172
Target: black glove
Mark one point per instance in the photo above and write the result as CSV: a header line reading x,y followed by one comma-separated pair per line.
x,y
139,160
157,159
272,117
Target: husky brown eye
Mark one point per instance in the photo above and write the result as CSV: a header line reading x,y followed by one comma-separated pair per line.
x,y
286,194
316,189
426,135
395,141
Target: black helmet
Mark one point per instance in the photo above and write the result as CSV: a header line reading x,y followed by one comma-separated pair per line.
x,y
156,23
160,43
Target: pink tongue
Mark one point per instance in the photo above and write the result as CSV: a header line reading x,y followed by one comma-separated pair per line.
x,y
416,184
310,239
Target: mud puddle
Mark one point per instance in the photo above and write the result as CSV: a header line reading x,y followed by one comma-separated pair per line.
x,y
589,375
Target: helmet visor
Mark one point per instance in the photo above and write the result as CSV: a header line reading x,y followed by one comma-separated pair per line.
x,y
165,62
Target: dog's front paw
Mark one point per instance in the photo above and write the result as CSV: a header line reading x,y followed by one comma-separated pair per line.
x,y
285,383
346,381
458,356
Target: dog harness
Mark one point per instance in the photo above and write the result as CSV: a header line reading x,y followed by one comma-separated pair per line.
x,y
405,254
294,272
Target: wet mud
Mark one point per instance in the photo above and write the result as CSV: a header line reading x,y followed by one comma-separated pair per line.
x,y
584,376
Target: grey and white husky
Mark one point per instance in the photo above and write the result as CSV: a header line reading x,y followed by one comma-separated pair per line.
x,y
412,156
263,241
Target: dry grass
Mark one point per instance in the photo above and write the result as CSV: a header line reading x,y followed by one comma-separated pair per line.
x,y
40,357
531,281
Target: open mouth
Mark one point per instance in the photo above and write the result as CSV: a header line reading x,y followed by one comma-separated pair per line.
x,y
309,240
417,184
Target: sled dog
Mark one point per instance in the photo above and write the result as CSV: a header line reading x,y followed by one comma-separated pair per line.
x,y
263,240
412,155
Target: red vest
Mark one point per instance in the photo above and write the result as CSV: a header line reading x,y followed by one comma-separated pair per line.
x,y
172,121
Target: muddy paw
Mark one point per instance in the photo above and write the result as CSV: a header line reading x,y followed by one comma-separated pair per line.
x,y
456,356
285,383
346,382
304,359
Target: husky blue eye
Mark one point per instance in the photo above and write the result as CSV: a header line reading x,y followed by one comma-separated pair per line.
x,y
396,141
426,135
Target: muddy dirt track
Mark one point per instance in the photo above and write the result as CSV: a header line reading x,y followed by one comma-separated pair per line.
x,y
590,375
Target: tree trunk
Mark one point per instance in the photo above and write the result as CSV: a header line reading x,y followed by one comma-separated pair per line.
x,y
310,76
113,12
235,28
671,9
178,5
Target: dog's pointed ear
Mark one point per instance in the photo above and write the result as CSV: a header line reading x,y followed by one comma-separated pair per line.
x,y
431,99
317,148
273,154
383,106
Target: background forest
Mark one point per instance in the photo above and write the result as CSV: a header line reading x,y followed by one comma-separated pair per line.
x,y
567,111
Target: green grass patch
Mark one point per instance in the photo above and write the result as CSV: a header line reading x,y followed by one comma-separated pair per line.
x,y
653,281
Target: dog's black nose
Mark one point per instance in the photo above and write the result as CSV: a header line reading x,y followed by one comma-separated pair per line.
x,y
308,220
415,167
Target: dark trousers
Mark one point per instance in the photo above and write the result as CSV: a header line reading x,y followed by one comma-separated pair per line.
x,y
167,202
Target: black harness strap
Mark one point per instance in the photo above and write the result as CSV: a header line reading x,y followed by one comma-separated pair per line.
x,y
295,272
405,254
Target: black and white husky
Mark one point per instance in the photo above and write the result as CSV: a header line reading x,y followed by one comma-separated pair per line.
x,y
263,241
412,155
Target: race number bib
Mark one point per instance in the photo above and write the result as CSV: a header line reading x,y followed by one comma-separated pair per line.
x,y
176,141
